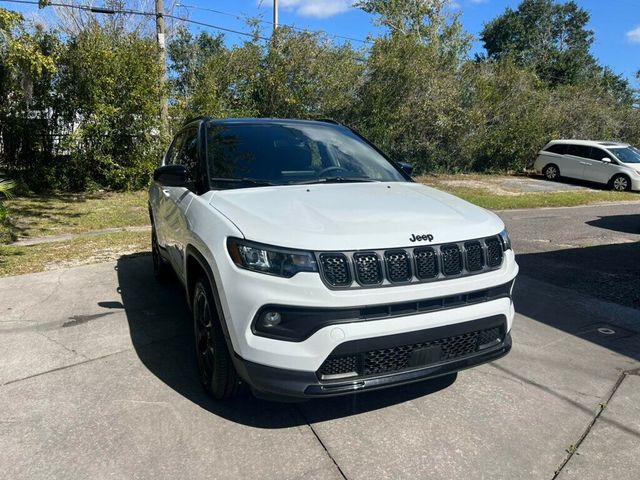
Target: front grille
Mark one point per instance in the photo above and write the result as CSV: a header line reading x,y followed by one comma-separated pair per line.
x,y
451,259
367,267
426,262
402,357
398,266
494,251
403,265
336,269
475,256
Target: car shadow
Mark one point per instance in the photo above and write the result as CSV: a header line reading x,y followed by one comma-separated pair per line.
x,y
604,272
161,333
618,223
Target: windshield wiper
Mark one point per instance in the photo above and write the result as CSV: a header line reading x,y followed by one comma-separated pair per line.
x,y
246,181
336,179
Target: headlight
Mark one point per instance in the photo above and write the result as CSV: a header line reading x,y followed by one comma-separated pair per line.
x,y
506,241
270,260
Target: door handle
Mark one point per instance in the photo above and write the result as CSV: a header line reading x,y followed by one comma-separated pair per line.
x,y
166,192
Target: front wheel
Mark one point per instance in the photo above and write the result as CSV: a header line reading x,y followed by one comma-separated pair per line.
x,y
620,183
217,373
160,267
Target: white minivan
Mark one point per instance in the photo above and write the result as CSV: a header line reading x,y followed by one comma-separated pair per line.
x,y
610,163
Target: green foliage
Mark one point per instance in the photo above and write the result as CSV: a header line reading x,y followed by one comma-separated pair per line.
x,y
80,111
112,95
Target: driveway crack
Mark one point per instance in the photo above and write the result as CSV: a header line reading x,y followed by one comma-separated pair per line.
x,y
326,450
573,449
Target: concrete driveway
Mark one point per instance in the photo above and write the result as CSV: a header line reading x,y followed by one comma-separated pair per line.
x,y
98,380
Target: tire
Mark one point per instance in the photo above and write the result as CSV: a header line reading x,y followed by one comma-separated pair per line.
x,y
217,373
551,172
160,267
620,183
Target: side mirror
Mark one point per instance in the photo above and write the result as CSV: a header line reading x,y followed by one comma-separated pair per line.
x,y
171,176
406,167
606,160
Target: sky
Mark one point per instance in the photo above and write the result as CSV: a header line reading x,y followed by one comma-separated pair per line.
x,y
616,23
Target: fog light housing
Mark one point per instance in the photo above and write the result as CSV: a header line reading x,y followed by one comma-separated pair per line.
x,y
271,319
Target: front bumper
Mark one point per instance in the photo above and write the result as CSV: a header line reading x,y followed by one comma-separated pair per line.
x,y
306,291
277,383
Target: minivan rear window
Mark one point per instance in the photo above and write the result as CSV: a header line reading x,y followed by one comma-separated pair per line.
x,y
578,150
560,148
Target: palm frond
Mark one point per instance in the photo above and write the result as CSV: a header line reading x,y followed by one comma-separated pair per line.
x,y
6,186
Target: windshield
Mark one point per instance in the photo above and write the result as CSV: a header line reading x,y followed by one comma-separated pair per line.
x,y
248,155
627,154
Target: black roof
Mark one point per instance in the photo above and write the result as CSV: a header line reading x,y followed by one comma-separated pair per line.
x,y
272,121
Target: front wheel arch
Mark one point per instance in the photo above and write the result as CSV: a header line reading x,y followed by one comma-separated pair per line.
x,y
197,266
625,177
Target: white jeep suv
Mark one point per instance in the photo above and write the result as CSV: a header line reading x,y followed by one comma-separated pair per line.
x,y
614,164
314,265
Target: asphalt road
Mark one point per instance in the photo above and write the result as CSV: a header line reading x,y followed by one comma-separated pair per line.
x,y
97,380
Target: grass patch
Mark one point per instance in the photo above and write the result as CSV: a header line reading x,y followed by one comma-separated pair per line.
x,y
83,250
42,216
493,192
495,201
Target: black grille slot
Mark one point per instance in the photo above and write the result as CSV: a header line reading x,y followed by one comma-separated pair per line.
x,y
367,267
398,266
339,365
494,251
426,263
475,256
451,259
489,337
335,269
398,358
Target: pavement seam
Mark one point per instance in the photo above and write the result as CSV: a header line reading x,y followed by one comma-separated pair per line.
x,y
60,344
571,451
64,367
326,450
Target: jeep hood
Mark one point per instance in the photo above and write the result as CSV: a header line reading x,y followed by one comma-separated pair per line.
x,y
352,216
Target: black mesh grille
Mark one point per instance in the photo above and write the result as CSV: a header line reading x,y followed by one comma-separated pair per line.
x,y
488,336
398,265
336,269
397,358
380,268
494,252
451,259
475,256
426,263
367,266
339,365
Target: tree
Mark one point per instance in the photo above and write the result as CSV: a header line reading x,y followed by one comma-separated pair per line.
x,y
548,36
27,66
412,101
109,80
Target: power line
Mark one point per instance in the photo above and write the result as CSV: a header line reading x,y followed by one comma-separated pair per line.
x,y
292,27
112,11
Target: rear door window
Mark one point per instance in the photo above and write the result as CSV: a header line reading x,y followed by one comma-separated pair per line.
x,y
578,150
560,148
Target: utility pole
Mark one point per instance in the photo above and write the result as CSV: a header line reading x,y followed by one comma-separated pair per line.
x,y
162,62
275,15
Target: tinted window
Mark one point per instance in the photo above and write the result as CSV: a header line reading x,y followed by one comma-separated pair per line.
x,y
578,150
560,148
174,149
189,152
597,154
294,153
